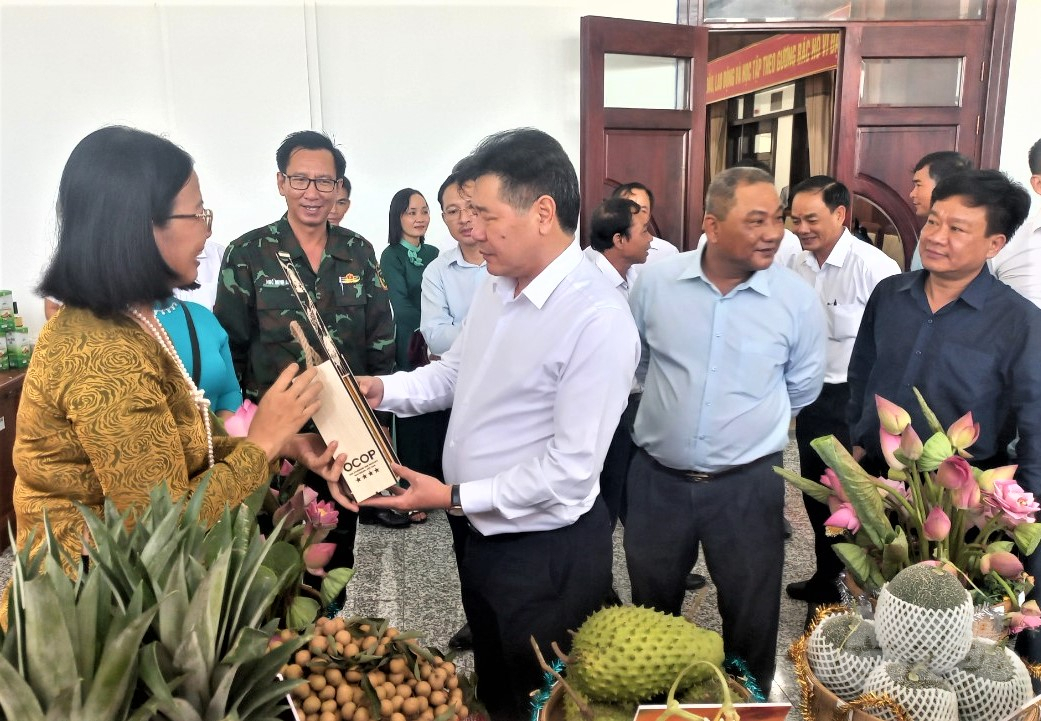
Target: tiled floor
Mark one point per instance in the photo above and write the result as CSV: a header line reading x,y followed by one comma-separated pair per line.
x,y
409,577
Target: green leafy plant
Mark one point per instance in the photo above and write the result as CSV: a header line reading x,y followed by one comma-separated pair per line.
x,y
170,622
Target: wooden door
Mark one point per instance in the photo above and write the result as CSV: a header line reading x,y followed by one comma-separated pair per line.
x,y
936,103
662,148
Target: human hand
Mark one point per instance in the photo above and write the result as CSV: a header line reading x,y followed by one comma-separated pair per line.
x,y
310,449
858,453
289,403
424,493
372,388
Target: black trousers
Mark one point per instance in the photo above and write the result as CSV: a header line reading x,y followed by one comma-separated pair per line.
x,y
738,519
518,585
825,416
616,462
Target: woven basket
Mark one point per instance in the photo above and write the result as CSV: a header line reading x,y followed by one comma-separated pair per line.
x,y
826,705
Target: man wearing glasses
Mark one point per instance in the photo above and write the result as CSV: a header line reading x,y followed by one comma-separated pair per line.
x,y
255,304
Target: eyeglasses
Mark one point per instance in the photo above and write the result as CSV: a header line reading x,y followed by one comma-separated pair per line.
x,y
302,182
453,212
206,215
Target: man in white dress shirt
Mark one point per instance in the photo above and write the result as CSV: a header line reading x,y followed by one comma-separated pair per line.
x,y
618,240
843,270
537,381
449,285
1018,264
209,273
644,199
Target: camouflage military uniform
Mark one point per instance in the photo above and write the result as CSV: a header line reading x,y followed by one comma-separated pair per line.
x,y
255,304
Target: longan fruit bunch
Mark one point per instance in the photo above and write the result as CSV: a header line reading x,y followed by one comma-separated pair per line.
x,y
365,670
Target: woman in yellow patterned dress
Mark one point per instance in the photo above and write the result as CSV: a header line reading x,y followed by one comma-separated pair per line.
x,y
108,410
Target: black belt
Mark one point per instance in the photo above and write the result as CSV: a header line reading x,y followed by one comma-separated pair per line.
x,y
699,476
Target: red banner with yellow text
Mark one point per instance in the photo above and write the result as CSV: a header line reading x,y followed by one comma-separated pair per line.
x,y
773,61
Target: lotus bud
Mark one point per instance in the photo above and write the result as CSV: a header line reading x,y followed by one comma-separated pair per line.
x,y
1003,563
963,432
317,555
894,419
937,525
890,443
986,478
954,472
910,444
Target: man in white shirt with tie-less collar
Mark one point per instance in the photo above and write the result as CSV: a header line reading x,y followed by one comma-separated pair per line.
x,y
618,240
537,381
843,270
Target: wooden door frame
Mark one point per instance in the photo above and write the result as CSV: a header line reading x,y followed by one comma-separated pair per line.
x,y
1000,16
671,41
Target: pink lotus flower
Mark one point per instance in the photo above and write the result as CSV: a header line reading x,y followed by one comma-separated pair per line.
x,y
1003,563
963,432
317,555
890,444
238,424
322,514
843,518
1009,499
1027,617
937,525
294,510
894,419
910,444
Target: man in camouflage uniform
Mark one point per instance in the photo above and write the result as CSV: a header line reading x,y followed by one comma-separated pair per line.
x,y
255,304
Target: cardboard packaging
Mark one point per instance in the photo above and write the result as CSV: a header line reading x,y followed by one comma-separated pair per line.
x,y
6,311
19,347
345,417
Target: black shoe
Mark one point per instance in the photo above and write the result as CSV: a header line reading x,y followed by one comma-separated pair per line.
x,y
463,640
386,517
814,591
695,581
787,529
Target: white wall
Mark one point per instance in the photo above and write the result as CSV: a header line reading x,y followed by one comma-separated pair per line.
x,y
1022,128
405,89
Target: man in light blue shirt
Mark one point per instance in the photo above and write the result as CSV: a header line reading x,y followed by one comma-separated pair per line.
x,y
451,279
733,346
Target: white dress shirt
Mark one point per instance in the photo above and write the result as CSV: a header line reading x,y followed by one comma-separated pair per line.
x,y
844,284
536,384
1018,264
723,373
449,284
622,285
659,250
209,275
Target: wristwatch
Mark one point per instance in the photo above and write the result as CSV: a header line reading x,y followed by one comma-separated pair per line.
x,y
456,507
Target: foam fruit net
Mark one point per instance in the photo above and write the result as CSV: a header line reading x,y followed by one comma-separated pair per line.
x,y
938,637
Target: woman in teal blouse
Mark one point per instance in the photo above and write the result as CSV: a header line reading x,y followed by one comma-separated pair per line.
x,y
215,376
403,263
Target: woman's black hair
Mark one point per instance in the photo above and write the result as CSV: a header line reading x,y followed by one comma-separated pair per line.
x,y
117,184
398,206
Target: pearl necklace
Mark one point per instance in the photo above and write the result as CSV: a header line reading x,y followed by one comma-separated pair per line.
x,y
201,402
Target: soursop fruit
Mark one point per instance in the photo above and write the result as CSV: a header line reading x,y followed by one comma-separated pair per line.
x,y
924,695
626,654
990,682
842,652
924,615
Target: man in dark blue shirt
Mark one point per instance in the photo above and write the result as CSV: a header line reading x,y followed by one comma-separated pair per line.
x,y
967,341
